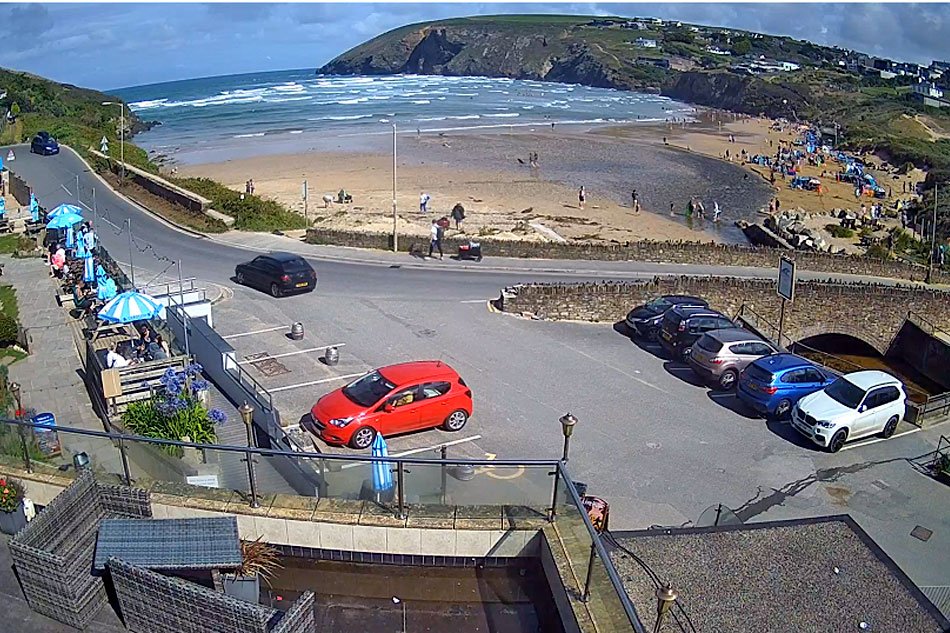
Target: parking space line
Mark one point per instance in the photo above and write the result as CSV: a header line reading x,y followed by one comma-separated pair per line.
x,y
879,439
300,351
422,450
269,329
474,301
315,382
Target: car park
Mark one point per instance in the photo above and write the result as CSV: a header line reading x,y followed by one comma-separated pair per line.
x,y
855,405
44,144
278,273
773,384
645,320
719,356
390,400
683,325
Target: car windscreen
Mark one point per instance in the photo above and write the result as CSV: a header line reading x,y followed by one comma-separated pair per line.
x,y
295,265
367,391
846,393
709,344
756,373
659,304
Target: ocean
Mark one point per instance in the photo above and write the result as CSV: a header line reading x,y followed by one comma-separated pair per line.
x,y
219,118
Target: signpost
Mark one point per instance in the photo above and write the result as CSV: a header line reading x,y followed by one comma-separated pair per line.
x,y
305,205
10,156
785,289
104,145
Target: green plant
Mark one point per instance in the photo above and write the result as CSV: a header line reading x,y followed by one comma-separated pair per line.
x,y
837,230
258,558
878,251
11,493
943,464
250,212
8,330
15,110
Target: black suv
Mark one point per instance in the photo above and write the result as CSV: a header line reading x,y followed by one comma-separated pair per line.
x,y
645,320
279,273
682,326
44,144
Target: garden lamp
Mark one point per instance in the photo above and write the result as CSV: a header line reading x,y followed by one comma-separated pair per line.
x,y
247,414
665,597
567,427
80,461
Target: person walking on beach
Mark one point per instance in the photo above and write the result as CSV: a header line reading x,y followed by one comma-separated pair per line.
x,y
717,212
581,197
435,238
250,184
458,214
247,187
672,209
690,207
424,202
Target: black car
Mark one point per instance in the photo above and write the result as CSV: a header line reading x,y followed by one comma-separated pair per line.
x,y
645,320
682,326
44,144
277,273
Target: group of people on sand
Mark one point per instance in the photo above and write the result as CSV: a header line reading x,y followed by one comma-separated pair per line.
x,y
696,208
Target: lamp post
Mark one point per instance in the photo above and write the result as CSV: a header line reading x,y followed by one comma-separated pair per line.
x,y
396,600
567,427
247,415
933,239
15,390
121,132
395,237
665,597
184,314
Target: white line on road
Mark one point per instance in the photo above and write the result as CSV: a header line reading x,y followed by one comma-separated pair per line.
x,y
422,450
474,301
315,382
268,329
300,351
68,192
875,441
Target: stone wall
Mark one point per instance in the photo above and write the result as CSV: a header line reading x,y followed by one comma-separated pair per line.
x,y
708,253
872,312
20,190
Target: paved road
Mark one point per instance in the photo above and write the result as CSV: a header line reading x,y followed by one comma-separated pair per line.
x,y
658,446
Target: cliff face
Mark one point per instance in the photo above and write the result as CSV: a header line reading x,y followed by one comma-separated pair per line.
x,y
739,93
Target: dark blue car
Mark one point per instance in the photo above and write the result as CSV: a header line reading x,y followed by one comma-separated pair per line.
x,y
773,384
44,144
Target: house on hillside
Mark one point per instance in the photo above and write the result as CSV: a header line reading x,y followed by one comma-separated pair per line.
x,y
715,50
643,42
929,94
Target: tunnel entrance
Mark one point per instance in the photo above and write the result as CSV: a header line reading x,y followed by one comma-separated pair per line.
x,y
845,353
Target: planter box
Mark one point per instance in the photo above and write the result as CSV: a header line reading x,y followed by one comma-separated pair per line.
x,y
247,588
942,476
12,522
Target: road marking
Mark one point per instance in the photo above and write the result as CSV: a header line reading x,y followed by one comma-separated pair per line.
x,y
422,450
301,351
68,192
267,329
489,470
315,382
879,439
474,301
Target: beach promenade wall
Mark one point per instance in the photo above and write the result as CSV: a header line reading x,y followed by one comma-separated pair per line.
x,y
873,313
699,253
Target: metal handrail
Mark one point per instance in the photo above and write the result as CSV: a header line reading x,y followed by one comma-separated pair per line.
x,y
254,386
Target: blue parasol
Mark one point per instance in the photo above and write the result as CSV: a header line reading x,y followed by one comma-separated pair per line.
x,y
382,471
129,307
34,208
62,210
64,221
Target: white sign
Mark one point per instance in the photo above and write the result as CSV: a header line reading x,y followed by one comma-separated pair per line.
x,y
10,155
786,279
104,145
207,481
304,194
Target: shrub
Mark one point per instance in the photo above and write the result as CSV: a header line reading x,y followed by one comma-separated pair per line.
x,y
878,251
8,330
252,213
837,230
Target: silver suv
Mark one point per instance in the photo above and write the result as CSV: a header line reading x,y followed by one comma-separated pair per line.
x,y
719,356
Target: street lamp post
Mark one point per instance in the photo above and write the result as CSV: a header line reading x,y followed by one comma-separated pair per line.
x,y
121,132
567,427
933,239
247,415
395,237
184,314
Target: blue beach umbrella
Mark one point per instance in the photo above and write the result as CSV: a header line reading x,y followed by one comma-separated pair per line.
x,y
62,210
382,471
34,208
66,220
3,207
129,307
89,268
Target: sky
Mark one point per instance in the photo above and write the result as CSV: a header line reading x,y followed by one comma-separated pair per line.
x,y
116,45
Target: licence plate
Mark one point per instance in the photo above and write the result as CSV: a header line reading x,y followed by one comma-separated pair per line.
x,y
753,386
666,335
302,285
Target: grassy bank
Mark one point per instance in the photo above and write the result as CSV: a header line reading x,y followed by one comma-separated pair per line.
x,y
250,213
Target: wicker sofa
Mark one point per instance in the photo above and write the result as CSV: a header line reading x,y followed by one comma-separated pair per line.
x,y
152,603
53,554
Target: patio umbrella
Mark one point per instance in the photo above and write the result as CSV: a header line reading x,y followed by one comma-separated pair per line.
x,y
3,207
64,220
34,208
89,268
62,210
382,473
130,306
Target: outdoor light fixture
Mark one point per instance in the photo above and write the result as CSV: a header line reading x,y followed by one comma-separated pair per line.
x,y
80,461
247,414
15,390
567,427
665,597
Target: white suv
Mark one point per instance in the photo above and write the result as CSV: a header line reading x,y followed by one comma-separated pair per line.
x,y
853,406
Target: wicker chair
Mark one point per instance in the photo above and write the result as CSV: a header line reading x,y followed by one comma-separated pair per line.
x,y
53,554
152,603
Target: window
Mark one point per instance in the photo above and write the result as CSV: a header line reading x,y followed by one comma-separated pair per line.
x,y
742,349
846,393
709,344
367,390
761,349
795,377
813,375
882,396
721,323
404,397
435,389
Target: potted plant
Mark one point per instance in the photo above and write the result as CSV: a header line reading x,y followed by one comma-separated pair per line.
x,y
12,517
259,560
941,468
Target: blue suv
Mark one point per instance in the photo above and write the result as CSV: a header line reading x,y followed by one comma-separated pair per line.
x,y
44,144
773,384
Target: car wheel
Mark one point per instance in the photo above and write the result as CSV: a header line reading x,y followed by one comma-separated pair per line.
x,y
455,421
782,409
727,380
363,437
837,441
274,290
240,278
890,427
685,352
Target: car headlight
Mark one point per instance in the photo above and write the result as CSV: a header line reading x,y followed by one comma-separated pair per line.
x,y
341,422
825,424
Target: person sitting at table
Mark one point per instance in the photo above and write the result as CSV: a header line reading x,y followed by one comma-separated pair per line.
x,y
154,350
114,360
57,262
84,297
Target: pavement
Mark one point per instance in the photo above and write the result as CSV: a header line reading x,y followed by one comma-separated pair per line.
x,y
660,447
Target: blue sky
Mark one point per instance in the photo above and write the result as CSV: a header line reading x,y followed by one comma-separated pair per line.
x,y
116,45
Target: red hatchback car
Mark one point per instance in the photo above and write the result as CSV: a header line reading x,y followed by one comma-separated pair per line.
x,y
394,399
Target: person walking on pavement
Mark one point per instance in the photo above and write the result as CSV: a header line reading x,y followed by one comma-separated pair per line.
x,y
581,197
435,238
424,202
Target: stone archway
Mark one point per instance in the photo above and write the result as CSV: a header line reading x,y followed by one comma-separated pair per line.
x,y
811,332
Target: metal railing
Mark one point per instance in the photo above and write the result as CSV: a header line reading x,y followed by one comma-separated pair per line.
x,y
417,482
248,382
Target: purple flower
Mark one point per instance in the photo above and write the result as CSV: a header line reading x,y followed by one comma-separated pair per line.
x,y
194,369
173,388
217,416
198,386
168,376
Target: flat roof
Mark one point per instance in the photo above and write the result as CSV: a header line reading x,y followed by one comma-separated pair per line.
x,y
821,575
